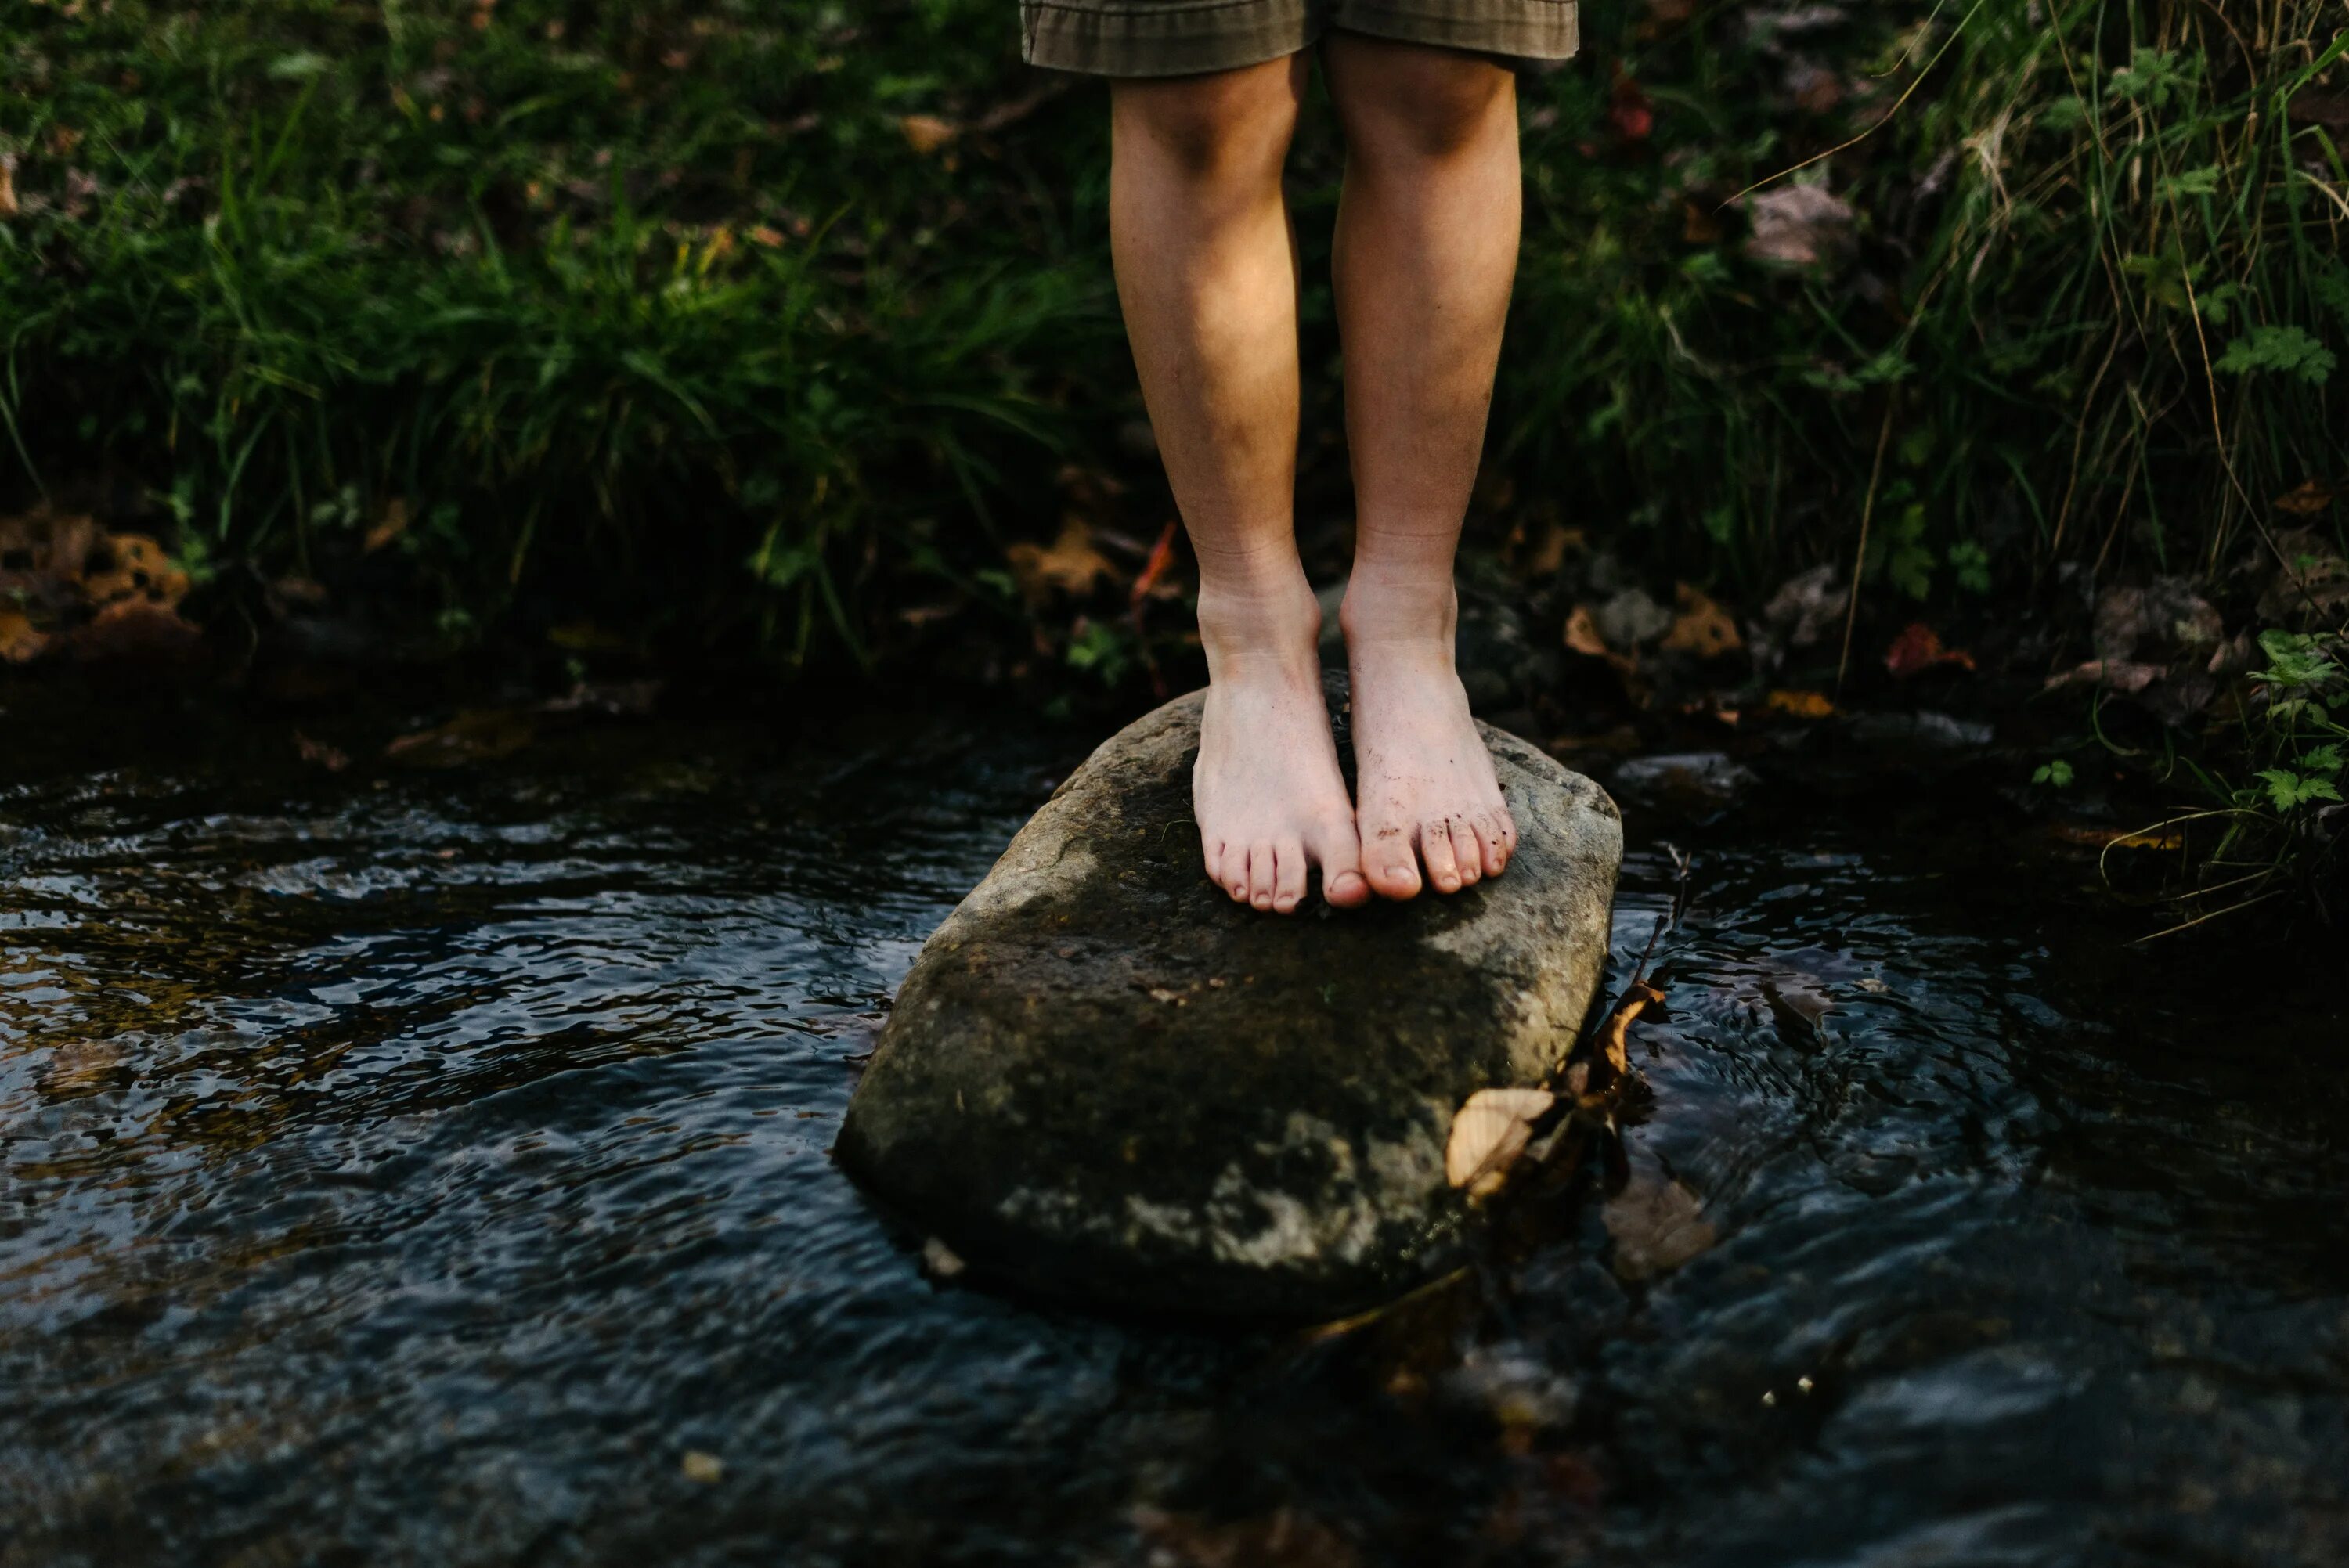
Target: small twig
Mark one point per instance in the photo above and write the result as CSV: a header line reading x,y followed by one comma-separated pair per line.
x,y
1859,559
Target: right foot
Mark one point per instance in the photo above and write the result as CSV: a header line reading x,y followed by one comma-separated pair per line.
x,y
1270,802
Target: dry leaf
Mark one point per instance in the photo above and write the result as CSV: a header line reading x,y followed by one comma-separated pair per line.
x,y
1582,635
926,133
703,1468
8,208
123,566
1799,226
1489,1132
1069,565
1802,703
2311,496
389,527
1700,626
940,1259
19,642
1657,1225
133,629
332,758
1919,649
479,734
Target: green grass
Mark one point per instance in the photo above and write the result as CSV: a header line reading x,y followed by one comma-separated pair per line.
x,y
656,315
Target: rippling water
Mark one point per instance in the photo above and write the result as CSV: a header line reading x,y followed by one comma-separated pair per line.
x,y
418,1166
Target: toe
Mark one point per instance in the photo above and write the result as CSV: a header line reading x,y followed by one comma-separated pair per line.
x,y
1490,848
1337,850
1387,861
1211,851
1465,852
1263,872
1288,883
1435,849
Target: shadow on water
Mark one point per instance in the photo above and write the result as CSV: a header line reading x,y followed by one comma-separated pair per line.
x,y
431,1166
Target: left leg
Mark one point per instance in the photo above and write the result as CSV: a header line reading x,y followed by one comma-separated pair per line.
x,y
1427,249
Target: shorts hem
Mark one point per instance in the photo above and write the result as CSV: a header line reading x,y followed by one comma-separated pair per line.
x,y
1533,30
1160,41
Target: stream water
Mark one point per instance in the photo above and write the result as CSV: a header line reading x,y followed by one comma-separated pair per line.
x,y
428,1166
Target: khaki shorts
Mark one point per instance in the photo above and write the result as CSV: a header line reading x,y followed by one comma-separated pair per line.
x,y
1179,38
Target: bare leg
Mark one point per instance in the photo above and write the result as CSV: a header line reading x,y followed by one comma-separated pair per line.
x,y
1427,248
1207,271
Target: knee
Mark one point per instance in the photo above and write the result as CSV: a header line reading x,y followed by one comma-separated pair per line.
x,y
1436,106
1231,124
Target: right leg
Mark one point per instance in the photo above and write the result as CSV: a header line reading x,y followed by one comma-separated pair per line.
x,y
1206,272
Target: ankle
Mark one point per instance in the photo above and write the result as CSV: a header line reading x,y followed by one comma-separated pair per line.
x,y
1254,620
1420,609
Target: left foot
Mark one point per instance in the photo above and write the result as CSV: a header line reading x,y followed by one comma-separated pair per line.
x,y
1425,792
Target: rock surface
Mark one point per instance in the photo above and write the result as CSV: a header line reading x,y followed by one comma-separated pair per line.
x,y
1103,1079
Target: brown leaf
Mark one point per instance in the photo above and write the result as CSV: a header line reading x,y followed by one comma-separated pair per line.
x,y
2307,498
2120,674
123,566
8,208
389,527
1700,626
1799,226
477,735
1582,635
926,133
1919,649
1068,565
1657,1225
1488,1132
1612,1057
19,642
332,758
134,630
1802,703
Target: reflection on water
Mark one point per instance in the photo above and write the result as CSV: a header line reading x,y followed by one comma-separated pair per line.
x,y
416,1167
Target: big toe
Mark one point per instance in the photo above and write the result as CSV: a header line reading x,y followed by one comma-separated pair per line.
x,y
1338,852
1389,864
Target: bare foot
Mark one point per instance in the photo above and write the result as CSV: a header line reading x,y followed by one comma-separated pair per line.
x,y
1428,795
1269,799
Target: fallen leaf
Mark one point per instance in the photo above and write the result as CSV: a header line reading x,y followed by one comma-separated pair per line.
x,y
2306,500
1798,226
478,735
332,758
2155,622
1807,607
1068,565
389,527
1613,1041
1919,649
2120,674
19,642
8,208
2104,838
1629,112
1489,1132
926,133
1802,703
1657,1225
702,1469
1582,635
940,1259
1700,626
123,566
133,630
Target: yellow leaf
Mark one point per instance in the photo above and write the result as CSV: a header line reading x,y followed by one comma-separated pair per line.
x,y
926,133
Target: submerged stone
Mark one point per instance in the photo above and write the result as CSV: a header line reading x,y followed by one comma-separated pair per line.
x,y
1103,1079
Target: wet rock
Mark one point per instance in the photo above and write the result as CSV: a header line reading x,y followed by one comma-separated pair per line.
x,y
1686,780
1103,1079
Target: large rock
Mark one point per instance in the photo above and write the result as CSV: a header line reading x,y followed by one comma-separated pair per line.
x,y
1104,1079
